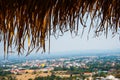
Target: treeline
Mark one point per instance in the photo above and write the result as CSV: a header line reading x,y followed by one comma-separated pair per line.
x,y
53,77
75,70
4,73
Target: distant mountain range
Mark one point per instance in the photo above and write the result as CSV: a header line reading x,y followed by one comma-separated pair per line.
x,y
63,54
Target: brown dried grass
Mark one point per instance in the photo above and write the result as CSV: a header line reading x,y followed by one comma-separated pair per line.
x,y
37,20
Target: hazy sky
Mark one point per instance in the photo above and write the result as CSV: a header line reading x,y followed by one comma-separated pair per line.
x,y
67,43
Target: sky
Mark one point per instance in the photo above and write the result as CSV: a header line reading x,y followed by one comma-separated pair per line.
x,y
66,43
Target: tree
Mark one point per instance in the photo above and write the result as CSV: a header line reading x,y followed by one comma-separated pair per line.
x,y
11,78
39,78
30,79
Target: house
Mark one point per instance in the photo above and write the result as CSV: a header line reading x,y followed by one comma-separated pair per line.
x,y
17,71
88,74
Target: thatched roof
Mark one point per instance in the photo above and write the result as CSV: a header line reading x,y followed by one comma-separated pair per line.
x,y
37,20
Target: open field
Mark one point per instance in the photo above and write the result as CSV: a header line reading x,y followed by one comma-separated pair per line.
x,y
31,74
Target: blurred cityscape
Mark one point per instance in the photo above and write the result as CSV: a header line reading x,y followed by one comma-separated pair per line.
x,y
104,67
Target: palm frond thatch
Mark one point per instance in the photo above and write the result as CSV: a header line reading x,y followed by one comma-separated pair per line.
x,y
37,20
